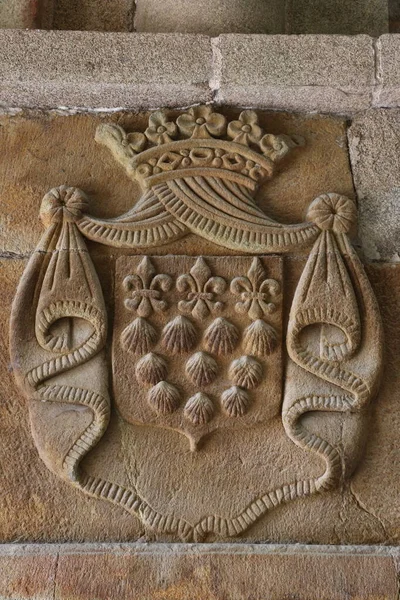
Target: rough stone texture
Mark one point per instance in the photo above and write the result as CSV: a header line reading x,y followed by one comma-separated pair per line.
x,y
388,91
62,150
94,15
308,73
334,74
197,572
336,16
375,150
18,14
210,17
53,69
314,73
376,480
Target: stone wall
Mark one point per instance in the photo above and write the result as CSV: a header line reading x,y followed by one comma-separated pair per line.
x,y
337,98
374,17
92,70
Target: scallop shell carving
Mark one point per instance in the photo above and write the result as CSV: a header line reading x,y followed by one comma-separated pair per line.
x,y
139,337
179,336
164,398
199,409
260,339
221,337
201,369
246,372
151,369
235,401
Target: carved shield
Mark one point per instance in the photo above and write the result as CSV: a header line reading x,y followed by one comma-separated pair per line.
x,y
197,342
200,344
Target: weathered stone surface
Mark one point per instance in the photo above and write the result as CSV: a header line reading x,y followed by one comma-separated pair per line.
x,y
27,574
210,17
376,479
388,91
374,149
103,70
198,572
336,16
334,74
314,73
18,14
61,150
94,15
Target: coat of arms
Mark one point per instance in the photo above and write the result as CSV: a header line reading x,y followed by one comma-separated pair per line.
x,y
199,344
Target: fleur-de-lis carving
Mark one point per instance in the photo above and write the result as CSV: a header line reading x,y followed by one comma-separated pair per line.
x,y
256,292
202,290
146,289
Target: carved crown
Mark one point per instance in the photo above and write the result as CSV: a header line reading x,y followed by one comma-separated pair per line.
x,y
199,142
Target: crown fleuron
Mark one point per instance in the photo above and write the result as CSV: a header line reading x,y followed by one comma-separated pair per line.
x,y
199,142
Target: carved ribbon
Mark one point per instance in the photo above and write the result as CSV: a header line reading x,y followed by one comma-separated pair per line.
x,y
334,342
62,368
334,369
335,337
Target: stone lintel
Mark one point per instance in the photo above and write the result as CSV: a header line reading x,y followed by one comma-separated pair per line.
x,y
90,70
217,571
303,73
51,69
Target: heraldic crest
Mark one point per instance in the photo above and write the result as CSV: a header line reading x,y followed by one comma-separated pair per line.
x,y
197,342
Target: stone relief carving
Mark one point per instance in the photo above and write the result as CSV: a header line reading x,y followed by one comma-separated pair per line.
x,y
192,360
197,341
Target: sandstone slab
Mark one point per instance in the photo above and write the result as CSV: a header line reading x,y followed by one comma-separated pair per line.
x,y
140,461
374,150
217,572
388,92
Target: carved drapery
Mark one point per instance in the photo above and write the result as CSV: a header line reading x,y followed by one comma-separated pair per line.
x,y
202,184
